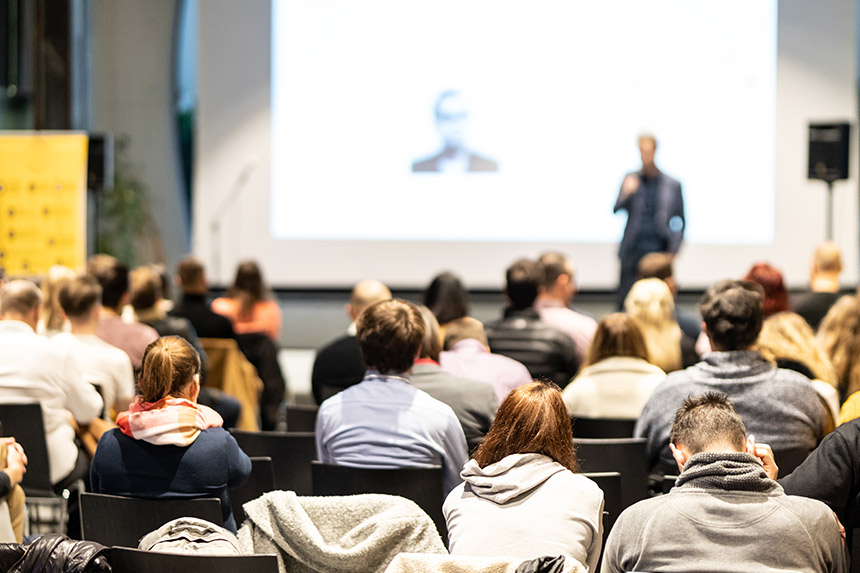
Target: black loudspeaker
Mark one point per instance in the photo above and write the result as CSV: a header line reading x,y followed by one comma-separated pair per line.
x,y
828,151
100,162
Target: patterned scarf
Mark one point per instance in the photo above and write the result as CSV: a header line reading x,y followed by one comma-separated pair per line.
x,y
174,421
725,470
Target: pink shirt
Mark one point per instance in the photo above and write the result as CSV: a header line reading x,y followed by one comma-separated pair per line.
x,y
578,326
471,359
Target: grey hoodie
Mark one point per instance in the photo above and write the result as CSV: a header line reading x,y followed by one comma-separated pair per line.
x,y
525,506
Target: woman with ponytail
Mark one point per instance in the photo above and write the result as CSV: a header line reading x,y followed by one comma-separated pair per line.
x,y
167,445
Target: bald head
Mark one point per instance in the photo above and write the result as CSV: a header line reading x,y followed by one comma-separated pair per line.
x,y
366,293
20,300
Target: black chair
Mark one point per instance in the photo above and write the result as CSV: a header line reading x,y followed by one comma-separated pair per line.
x,y
261,480
116,520
421,485
623,455
47,512
602,427
262,352
610,483
291,453
301,418
854,553
125,560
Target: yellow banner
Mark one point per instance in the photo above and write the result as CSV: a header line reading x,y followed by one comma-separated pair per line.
x,y
43,195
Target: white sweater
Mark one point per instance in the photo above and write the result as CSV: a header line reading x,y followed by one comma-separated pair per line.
x,y
616,387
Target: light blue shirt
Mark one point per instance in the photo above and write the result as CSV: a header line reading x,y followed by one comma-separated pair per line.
x,y
385,422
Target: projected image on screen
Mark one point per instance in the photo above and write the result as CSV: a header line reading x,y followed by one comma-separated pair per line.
x,y
485,121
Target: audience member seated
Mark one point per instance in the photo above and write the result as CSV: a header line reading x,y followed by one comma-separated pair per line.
x,y
775,294
824,288
102,365
131,337
788,341
473,402
778,406
554,299
650,302
467,354
839,335
521,496
546,351
725,513
13,466
37,370
384,421
193,305
249,304
52,320
167,445
617,379
339,364
661,266
447,299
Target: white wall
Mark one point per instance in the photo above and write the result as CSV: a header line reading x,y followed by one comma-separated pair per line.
x,y
816,81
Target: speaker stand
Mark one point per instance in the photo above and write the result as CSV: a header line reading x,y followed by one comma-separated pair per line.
x,y
829,210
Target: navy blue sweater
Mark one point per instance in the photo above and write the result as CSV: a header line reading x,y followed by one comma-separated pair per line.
x,y
214,462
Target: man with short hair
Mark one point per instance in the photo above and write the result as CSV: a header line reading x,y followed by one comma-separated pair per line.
x,y
191,278
554,299
33,369
546,351
339,364
385,421
131,337
824,288
661,266
467,354
102,364
779,406
725,513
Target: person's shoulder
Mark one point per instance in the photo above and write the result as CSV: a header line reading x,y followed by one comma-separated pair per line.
x,y
811,512
338,345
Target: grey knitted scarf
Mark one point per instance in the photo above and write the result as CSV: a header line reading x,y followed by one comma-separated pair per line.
x,y
727,471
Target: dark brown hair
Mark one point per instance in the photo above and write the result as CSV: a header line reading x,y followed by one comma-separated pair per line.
x,y
617,334
169,365
523,279
656,265
145,287
732,313
708,420
531,420
191,274
248,287
390,334
78,296
447,298
553,265
112,276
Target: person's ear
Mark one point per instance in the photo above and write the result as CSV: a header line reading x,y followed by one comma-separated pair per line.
x,y
680,456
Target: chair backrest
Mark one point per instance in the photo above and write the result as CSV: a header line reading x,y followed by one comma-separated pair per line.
x,y
623,455
301,418
610,483
117,520
125,560
602,427
421,485
291,453
24,423
261,480
788,459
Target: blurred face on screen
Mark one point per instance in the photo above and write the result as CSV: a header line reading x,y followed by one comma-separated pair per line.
x,y
647,148
452,116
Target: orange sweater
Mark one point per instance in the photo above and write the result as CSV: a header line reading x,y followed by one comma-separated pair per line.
x,y
265,317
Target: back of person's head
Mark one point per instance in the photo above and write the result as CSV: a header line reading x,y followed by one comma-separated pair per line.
x,y
58,275
112,276
523,280
732,313
144,288
839,335
828,258
366,293
656,266
554,265
447,298
390,334
169,365
787,337
248,287
775,295
532,419
650,302
431,345
617,334
79,296
463,329
19,297
708,423
192,275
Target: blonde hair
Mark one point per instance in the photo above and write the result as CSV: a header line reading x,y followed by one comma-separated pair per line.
x,y
169,365
787,336
839,335
52,313
650,303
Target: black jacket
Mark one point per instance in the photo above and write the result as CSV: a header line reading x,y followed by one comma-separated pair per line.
x,y
55,554
338,365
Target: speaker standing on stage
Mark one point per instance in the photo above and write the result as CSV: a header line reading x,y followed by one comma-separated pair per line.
x,y
655,215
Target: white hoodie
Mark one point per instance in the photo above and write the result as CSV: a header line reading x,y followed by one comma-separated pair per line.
x,y
525,506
